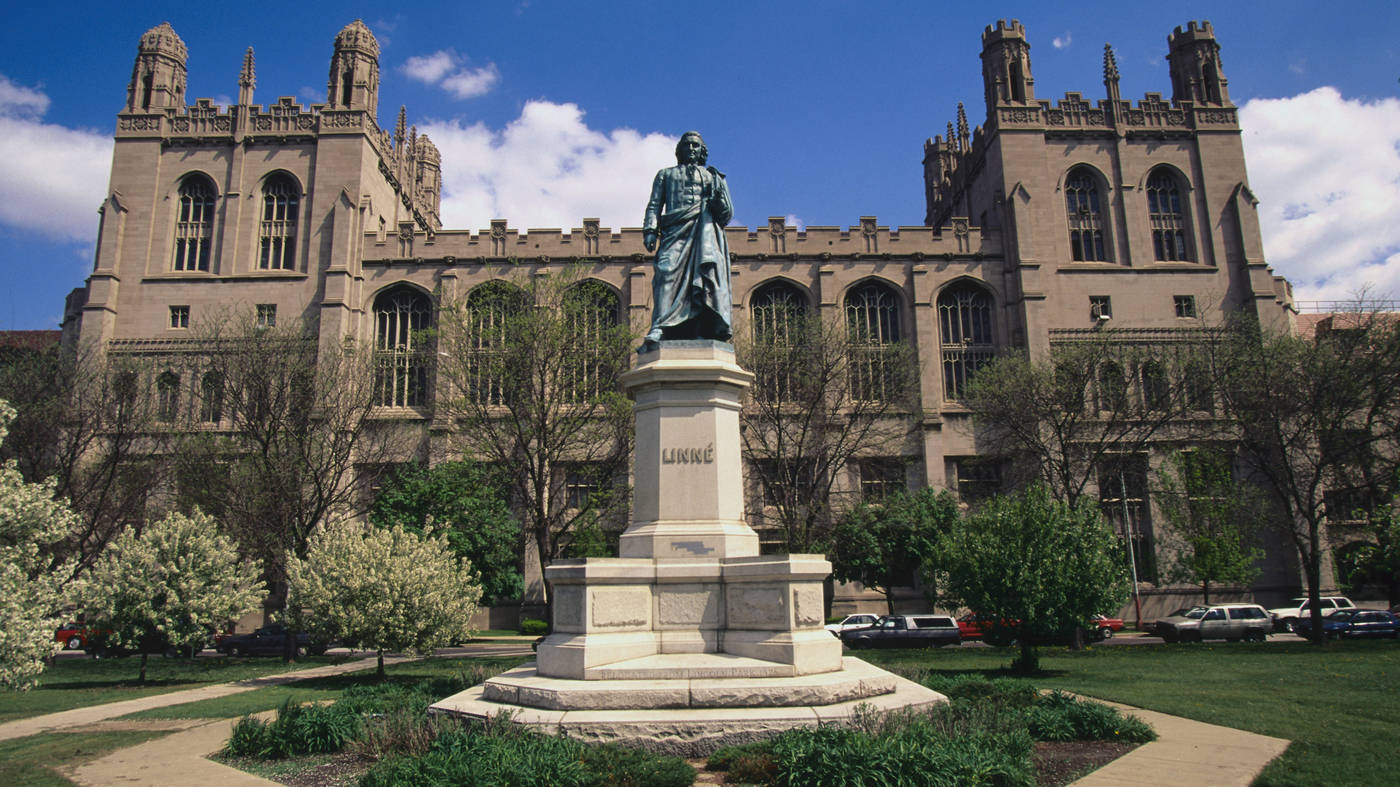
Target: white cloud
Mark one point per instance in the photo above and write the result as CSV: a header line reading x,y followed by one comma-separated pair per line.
x,y
1061,42
1327,173
444,68
792,220
547,168
52,178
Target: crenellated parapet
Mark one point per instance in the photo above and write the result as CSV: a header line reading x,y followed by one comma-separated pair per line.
x,y
957,239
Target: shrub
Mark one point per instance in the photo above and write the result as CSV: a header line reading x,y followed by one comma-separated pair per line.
x,y
1060,717
619,766
494,754
249,738
533,627
724,758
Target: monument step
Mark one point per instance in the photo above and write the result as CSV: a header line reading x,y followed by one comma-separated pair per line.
x,y
523,686
691,731
666,666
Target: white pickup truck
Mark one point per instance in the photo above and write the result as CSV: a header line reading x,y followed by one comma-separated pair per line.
x,y
1285,618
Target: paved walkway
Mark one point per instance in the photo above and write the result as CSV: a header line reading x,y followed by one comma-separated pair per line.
x,y
181,758
1187,752
111,710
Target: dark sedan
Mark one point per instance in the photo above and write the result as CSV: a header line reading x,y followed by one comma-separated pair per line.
x,y
1360,623
266,641
906,631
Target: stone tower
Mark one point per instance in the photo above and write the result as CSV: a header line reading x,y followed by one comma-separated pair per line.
x,y
158,77
1006,64
1194,59
354,79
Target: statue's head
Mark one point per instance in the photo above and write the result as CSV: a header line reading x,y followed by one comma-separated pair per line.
x,y
692,148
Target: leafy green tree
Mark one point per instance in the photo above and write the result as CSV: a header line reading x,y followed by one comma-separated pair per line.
x,y
462,500
169,585
32,594
1040,565
382,588
1213,520
886,544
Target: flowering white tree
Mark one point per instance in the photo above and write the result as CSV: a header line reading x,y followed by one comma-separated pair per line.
x,y
170,585
382,588
31,596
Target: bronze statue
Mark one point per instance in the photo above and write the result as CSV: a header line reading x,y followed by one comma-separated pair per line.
x,y
688,210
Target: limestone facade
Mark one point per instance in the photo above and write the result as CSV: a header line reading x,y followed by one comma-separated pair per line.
x,y
1039,221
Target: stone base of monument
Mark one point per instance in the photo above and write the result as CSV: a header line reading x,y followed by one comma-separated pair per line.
x,y
691,640
686,716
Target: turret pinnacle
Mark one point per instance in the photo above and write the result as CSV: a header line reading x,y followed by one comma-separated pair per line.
x,y
401,128
246,79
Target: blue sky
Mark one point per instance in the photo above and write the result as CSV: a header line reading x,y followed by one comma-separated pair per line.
x,y
547,112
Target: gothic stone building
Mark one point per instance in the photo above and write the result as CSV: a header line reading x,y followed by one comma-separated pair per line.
x,y
1043,223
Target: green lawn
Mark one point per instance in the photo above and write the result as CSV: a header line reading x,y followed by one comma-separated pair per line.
x,y
31,761
77,683
1337,703
328,688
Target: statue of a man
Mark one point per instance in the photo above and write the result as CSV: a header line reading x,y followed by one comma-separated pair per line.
x,y
684,225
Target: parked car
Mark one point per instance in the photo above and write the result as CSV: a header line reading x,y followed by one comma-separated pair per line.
x,y
100,646
74,636
850,623
1286,618
1359,623
1229,622
267,641
1104,627
905,631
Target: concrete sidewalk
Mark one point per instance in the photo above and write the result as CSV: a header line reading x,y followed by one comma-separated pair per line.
x,y
181,758
111,710
1187,752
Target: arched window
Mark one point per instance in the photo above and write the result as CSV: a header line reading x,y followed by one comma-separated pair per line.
x,y
167,396
400,361
1164,209
488,309
194,224
777,313
1156,392
1112,389
965,333
211,398
593,312
278,228
872,324
1082,209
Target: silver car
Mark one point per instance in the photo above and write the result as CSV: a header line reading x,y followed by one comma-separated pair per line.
x,y
1231,622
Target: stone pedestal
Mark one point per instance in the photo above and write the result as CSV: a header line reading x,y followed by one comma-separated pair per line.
x,y
691,639
690,579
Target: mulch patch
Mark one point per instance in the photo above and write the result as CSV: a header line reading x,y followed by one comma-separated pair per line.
x,y
1061,763
339,771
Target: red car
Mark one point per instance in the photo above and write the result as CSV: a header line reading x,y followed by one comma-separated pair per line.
x,y
1104,627
74,636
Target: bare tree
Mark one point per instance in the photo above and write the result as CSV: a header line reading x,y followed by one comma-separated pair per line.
x,y
1318,421
282,428
83,422
825,395
531,374
1093,399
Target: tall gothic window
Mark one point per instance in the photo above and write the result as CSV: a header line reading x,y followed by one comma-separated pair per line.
x,y
593,311
400,359
1167,217
488,308
1082,208
777,313
167,396
278,229
1112,390
965,332
194,224
211,398
1123,501
1156,391
872,323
